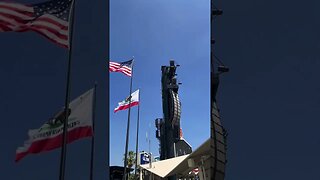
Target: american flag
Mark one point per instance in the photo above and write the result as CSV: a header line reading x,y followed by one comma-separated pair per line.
x,y
50,19
124,67
195,171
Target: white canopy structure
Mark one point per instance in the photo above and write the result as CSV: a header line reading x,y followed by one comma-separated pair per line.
x,y
182,165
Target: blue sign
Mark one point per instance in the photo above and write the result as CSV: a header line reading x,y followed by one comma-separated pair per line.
x,y
144,158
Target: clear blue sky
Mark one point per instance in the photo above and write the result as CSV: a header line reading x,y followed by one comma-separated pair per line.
x,y
155,32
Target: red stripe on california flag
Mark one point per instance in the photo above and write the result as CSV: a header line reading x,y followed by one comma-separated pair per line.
x,y
126,106
53,143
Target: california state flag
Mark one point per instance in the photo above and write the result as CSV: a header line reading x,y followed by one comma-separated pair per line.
x,y
49,135
125,104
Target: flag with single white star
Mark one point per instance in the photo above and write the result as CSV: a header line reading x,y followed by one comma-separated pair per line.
x,y
50,19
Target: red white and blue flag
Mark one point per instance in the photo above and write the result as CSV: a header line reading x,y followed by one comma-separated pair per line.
x,y
123,67
125,104
50,19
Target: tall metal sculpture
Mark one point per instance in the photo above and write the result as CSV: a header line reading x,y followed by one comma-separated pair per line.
x,y
168,128
218,137
218,144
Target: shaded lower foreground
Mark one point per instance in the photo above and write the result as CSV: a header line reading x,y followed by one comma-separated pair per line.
x,y
116,172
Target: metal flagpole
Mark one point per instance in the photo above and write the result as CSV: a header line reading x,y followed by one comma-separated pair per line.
x,y
93,130
149,141
137,139
128,125
67,98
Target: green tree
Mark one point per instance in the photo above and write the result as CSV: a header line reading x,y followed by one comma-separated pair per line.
x,y
131,160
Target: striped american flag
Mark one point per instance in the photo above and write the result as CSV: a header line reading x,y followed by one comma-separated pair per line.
x,y
50,19
124,67
195,171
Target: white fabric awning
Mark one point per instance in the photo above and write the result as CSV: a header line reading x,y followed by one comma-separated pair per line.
x,y
178,165
164,167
